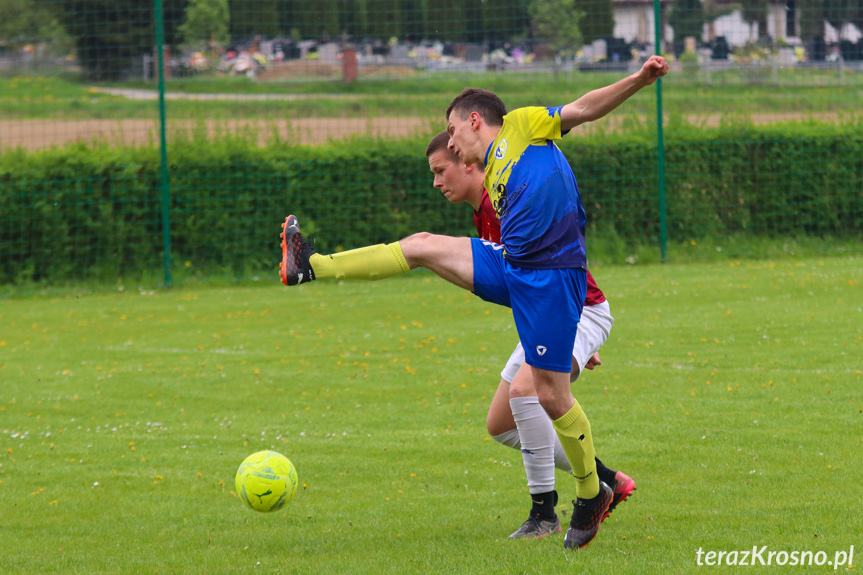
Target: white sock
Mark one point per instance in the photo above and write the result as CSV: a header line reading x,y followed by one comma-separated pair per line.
x,y
537,437
560,460
510,439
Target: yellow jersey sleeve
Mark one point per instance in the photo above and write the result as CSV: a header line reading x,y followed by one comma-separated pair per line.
x,y
539,124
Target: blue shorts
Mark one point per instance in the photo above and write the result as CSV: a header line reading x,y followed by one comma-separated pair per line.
x,y
546,304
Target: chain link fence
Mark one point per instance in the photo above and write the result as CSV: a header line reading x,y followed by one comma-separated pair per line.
x,y
158,139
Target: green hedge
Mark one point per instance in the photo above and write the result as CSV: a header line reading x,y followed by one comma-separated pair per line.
x,y
95,211
790,180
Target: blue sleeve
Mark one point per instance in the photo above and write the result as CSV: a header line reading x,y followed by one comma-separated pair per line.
x,y
555,111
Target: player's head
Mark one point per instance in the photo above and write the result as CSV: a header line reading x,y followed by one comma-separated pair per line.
x,y
474,118
483,102
457,181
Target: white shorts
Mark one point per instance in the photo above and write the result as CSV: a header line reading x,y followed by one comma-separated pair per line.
x,y
593,330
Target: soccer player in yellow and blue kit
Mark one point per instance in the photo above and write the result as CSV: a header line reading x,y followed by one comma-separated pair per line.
x,y
539,271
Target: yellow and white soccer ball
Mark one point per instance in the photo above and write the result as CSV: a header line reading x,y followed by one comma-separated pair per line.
x,y
266,481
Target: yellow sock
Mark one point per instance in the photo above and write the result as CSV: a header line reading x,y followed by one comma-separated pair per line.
x,y
369,263
573,429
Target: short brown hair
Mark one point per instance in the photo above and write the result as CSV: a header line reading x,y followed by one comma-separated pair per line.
x,y
441,142
484,102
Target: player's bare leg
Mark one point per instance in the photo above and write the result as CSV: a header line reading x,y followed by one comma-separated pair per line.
x,y
499,419
448,257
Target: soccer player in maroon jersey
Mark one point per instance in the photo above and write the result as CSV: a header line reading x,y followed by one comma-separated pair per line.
x,y
515,417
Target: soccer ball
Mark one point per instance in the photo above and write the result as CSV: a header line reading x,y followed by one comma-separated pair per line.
x,y
266,481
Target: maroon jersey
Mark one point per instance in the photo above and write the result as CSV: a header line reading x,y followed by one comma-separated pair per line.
x,y
488,228
485,220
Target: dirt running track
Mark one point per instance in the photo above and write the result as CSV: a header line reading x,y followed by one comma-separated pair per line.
x,y
35,134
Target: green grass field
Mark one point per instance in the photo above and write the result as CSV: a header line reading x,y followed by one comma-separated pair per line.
x,y
730,391
802,93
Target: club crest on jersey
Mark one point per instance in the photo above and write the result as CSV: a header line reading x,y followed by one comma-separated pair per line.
x,y
500,152
541,349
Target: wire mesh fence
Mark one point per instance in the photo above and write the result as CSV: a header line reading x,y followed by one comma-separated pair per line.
x,y
323,109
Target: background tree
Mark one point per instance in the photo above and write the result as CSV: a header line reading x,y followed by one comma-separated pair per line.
x,y
474,29
23,23
414,14
447,20
506,22
556,24
858,15
687,19
250,18
841,12
598,20
755,12
811,19
385,19
109,34
713,10
206,22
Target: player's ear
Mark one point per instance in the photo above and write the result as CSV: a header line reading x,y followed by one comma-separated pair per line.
x,y
475,120
469,168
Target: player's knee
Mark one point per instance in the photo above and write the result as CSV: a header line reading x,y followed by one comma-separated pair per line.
x,y
419,237
522,388
417,247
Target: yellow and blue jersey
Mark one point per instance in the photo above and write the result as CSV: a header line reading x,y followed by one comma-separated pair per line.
x,y
534,192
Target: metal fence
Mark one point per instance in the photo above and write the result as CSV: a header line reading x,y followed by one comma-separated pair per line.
x,y
126,124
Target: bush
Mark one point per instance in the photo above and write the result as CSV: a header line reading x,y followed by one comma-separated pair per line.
x,y
96,212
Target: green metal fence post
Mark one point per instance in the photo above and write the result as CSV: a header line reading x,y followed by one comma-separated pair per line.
x,y
663,228
163,149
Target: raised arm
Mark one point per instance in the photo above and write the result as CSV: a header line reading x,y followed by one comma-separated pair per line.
x,y
598,103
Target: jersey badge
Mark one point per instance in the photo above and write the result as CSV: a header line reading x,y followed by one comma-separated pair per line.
x,y
500,152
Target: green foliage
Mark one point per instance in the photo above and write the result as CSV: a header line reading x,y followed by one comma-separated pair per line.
x,y
109,34
687,19
812,18
761,181
756,11
689,60
206,21
450,20
714,9
24,23
598,20
251,18
783,182
841,12
96,211
556,23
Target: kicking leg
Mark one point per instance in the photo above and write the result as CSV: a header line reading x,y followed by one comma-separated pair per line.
x,y
450,258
